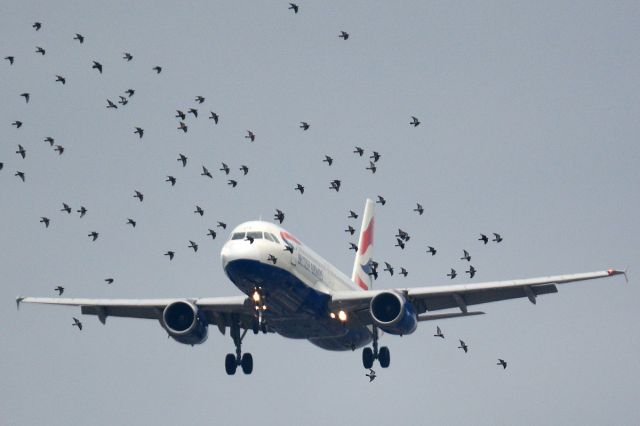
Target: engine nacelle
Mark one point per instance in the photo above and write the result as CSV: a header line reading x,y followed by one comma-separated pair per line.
x,y
185,323
393,313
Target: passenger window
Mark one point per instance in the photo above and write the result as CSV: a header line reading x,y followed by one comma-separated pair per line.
x,y
238,236
254,235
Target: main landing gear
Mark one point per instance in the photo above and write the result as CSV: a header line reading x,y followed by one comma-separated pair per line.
x,y
369,355
231,361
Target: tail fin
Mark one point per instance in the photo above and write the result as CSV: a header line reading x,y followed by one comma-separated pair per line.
x,y
363,267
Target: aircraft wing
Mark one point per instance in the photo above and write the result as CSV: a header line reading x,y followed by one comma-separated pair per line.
x,y
461,296
217,310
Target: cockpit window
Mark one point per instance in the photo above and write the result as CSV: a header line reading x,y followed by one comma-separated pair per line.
x,y
275,240
267,236
255,235
237,236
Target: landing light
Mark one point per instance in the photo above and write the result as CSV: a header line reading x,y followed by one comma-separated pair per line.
x,y
332,315
342,316
256,296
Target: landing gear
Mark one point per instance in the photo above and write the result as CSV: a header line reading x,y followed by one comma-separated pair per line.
x,y
369,355
231,361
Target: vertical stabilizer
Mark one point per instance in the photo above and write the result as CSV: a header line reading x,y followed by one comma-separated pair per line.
x,y
362,267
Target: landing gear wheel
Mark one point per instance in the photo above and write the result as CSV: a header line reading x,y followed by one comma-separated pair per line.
x,y
367,358
384,356
247,363
230,364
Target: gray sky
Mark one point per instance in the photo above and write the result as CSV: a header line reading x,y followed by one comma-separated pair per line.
x,y
529,128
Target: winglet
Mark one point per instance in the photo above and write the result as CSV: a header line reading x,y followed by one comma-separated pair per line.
x,y
612,272
18,300
626,274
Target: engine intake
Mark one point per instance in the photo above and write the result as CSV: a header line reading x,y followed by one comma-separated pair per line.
x,y
185,323
393,313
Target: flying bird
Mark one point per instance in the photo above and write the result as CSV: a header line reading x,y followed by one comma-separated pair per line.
x,y
403,272
388,268
170,254
97,65
131,222
79,37
353,247
419,209
82,211
452,274
352,215
139,131
483,238
503,363
45,220
183,127
193,111
93,235
279,216
171,179
221,225
432,251
299,188
414,121
212,234
138,195
375,156
183,159
293,7
350,230
472,271
66,208
40,50
244,169
328,160
157,69
59,289
403,235
181,115
199,211
289,248
127,56
343,35
399,243
77,323
466,256
272,259
232,183
335,184
123,101
110,104
359,151
20,175
215,117
26,96
249,238
438,332
205,172
21,151
17,123
497,238
200,99
250,135
463,346
61,79
50,140
10,59
109,280
372,167
193,245
37,25
304,125
371,375
225,169
381,200
130,92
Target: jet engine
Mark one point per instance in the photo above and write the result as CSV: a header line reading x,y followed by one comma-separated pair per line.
x,y
393,313
185,323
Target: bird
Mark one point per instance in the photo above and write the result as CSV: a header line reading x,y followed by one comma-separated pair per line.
x,y
221,225
375,156
193,111
139,131
503,363
388,268
438,332
59,289
109,280
399,243
21,151
131,222
272,258
250,135
472,271
432,251
371,375
110,104
61,79
66,208
10,59
403,272
59,149
170,254
193,245
249,238
77,323
372,167
199,211
403,235
45,220
483,238
215,117
183,159
138,195
497,238
82,210
414,121
381,200
50,140
335,184
212,234
40,50
328,160
26,96
352,215
181,115
97,65
157,69
1,165
463,346
304,125
466,256
299,188
279,216
79,37
353,247
225,169
171,179
350,230
359,151
205,172
419,209
452,274
20,175
244,169
289,248
130,92
232,183
93,235
37,25
293,7
183,127
200,99
127,56
123,101
17,123
344,35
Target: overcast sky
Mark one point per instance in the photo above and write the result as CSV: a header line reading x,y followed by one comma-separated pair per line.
x,y
529,128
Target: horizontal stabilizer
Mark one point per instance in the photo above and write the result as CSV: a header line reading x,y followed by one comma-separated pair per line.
x,y
432,317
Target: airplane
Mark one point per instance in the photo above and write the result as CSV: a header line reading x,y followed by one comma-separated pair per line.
x,y
303,296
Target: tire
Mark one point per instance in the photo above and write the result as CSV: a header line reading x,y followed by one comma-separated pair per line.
x,y
367,358
255,327
230,364
384,357
247,363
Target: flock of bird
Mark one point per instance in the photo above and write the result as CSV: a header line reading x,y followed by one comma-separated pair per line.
x,y
402,237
